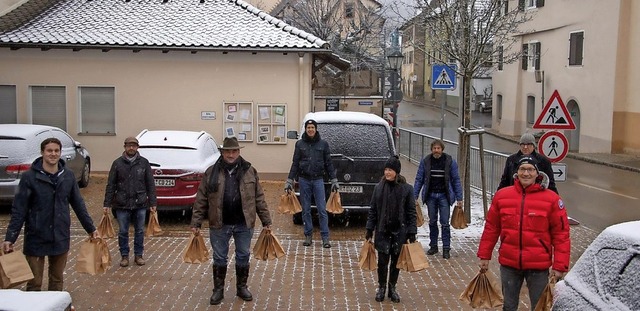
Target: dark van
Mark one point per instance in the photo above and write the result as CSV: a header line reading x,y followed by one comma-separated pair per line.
x,y
360,145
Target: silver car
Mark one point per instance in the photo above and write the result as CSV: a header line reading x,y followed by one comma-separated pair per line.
x,y
20,146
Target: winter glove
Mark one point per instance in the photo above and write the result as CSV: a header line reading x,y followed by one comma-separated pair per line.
x,y
288,185
411,237
334,185
369,235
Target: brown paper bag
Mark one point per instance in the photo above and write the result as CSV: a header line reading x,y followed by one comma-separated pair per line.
x,y
14,270
334,205
94,257
267,246
289,204
368,259
412,258
419,215
546,299
153,227
458,221
196,250
105,228
482,292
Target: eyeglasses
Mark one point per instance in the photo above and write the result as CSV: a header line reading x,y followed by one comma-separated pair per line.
x,y
528,170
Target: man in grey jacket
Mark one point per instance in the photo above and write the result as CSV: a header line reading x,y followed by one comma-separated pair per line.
x,y
231,196
130,190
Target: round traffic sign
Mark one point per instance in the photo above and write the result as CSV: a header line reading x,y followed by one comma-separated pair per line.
x,y
553,145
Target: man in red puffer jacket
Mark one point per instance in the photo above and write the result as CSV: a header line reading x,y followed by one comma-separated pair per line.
x,y
531,222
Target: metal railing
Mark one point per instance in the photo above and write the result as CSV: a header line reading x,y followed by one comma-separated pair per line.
x,y
415,146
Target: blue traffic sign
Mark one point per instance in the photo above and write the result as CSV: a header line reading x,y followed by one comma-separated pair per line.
x,y
443,77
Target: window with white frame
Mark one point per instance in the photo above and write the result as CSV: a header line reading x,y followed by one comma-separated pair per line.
x,y
531,56
576,41
49,106
8,104
531,110
97,110
529,4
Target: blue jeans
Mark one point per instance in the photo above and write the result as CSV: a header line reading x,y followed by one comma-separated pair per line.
x,y
437,204
125,216
220,244
512,283
315,188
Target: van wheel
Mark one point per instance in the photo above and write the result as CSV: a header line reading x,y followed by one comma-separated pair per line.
x,y
297,219
84,178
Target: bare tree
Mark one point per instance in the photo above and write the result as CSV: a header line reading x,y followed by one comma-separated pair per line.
x,y
477,35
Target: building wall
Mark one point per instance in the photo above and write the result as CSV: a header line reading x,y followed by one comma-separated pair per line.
x,y
154,90
592,85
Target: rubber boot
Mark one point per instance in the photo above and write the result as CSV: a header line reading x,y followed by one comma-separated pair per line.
x,y
242,274
219,273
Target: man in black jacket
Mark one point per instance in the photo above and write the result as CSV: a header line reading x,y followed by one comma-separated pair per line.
x,y
130,190
311,160
42,205
527,148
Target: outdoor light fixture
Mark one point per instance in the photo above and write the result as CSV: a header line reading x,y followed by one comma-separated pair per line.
x,y
395,60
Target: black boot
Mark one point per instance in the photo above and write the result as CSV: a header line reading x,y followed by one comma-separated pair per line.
x,y
446,254
242,274
393,294
219,273
380,293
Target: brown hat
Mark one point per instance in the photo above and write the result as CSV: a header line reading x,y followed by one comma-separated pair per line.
x,y
230,143
131,140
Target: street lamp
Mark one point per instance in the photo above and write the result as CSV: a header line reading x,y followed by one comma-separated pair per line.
x,y
395,63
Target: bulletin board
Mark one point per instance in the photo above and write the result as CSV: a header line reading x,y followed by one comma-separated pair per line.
x,y
271,120
238,120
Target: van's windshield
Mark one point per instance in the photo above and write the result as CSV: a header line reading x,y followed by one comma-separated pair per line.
x,y
354,140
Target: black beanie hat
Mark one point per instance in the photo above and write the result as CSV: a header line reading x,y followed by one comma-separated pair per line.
x,y
311,121
529,160
394,164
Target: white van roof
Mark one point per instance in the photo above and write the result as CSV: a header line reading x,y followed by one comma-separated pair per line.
x,y
345,117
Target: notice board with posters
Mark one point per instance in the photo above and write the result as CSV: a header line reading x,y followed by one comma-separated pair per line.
x,y
238,120
271,122
332,104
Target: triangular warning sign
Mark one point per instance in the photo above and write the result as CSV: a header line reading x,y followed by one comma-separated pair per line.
x,y
555,115
443,78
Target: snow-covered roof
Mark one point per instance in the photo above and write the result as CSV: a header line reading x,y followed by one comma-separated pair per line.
x,y
345,117
146,24
182,139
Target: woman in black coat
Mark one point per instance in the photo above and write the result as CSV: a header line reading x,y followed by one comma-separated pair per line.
x,y
393,217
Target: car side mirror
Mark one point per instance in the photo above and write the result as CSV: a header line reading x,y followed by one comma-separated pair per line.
x,y
292,134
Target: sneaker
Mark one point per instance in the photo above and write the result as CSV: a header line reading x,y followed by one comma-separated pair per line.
x,y
432,250
307,240
325,243
139,261
124,261
445,254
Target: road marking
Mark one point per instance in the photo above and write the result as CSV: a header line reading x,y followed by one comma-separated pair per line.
x,y
604,190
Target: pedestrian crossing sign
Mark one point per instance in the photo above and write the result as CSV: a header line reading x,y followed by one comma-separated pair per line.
x,y
555,115
443,77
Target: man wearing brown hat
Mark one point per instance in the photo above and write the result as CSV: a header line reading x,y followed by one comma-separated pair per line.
x,y
231,196
130,191
527,148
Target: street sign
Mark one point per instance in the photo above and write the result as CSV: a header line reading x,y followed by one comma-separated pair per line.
x,y
553,145
443,77
559,171
554,115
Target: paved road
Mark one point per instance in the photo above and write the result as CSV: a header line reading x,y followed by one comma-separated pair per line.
x,y
596,195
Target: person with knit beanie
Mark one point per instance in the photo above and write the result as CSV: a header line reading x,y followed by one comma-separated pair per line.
x,y
392,217
527,148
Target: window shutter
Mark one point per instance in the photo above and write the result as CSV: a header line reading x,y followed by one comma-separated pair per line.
x,y
8,104
97,109
525,63
49,106
539,3
521,5
538,56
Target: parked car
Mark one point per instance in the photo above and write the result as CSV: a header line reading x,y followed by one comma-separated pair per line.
x,y
360,145
20,146
484,104
605,277
178,160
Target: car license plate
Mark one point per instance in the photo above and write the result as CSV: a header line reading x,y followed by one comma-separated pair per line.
x,y
165,182
351,189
